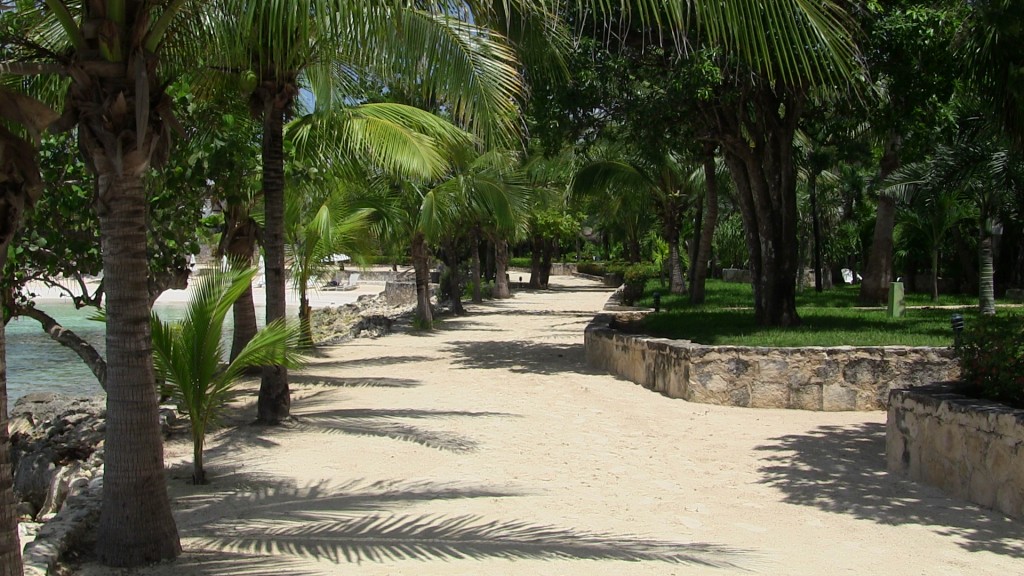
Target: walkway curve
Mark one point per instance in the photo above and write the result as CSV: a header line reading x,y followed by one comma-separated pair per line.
x,y
488,447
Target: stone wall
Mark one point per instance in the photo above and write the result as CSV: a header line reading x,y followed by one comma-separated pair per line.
x,y
399,293
811,378
971,449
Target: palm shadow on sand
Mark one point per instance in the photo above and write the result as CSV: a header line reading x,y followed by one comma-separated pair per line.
x,y
521,356
358,522
842,469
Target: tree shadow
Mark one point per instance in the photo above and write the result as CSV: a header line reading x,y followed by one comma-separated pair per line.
x,y
217,562
338,382
376,361
352,524
521,356
388,424
842,469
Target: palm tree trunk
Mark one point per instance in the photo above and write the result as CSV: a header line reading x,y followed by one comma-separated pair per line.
x,y
935,274
986,275
10,546
198,471
812,185
677,283
136,525
421,264
474,251
274,404
239,246
501,289
305,320
707,231
13,200
454,277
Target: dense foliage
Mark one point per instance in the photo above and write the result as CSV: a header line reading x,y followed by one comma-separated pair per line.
x,y
991,354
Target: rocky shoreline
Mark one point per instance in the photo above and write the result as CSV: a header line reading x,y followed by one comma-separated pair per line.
x,y
57,443
370,316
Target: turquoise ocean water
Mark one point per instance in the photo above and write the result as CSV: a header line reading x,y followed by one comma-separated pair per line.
x,y
35,363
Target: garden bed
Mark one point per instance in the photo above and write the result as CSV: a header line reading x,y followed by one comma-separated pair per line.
x,y
809,378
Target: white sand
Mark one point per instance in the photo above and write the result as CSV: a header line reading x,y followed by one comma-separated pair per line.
x,y
318,298
489,448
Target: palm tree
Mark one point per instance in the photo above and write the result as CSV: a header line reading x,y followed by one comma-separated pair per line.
x,y
665,181
325,46
320,220
189,353
930,214
994,32
116,98
20,187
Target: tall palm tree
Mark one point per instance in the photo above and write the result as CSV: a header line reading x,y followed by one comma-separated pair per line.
x,y
994,32
325,46
116,54
20,187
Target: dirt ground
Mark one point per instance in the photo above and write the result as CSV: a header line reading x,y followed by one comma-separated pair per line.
x,y
489,447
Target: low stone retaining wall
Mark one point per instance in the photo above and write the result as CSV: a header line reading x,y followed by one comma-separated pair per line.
x,y
971,449
812,378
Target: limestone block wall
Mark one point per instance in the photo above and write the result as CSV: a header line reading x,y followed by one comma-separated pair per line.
x,y
399,293
813,378
970,449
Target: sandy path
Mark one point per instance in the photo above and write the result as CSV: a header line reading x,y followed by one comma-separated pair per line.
x,y
489,447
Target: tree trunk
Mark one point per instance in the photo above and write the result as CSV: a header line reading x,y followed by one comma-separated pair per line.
x,y
421,264
633,247
305,321
935,274
707,231
501,269
198,472
136,526
454,278
10,546
15,197
670,229
548,247
68,339
535,262
239,245
474,251
986,272
874,289
812,185
274,404
758,147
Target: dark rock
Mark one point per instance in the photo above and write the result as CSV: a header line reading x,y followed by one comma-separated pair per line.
x,y
55,442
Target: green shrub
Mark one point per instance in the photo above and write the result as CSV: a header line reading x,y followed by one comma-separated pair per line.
x,y
520,262
592,268
991,354
486,290
634,278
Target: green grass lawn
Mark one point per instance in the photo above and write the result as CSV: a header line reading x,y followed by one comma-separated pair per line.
x,y
831,318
